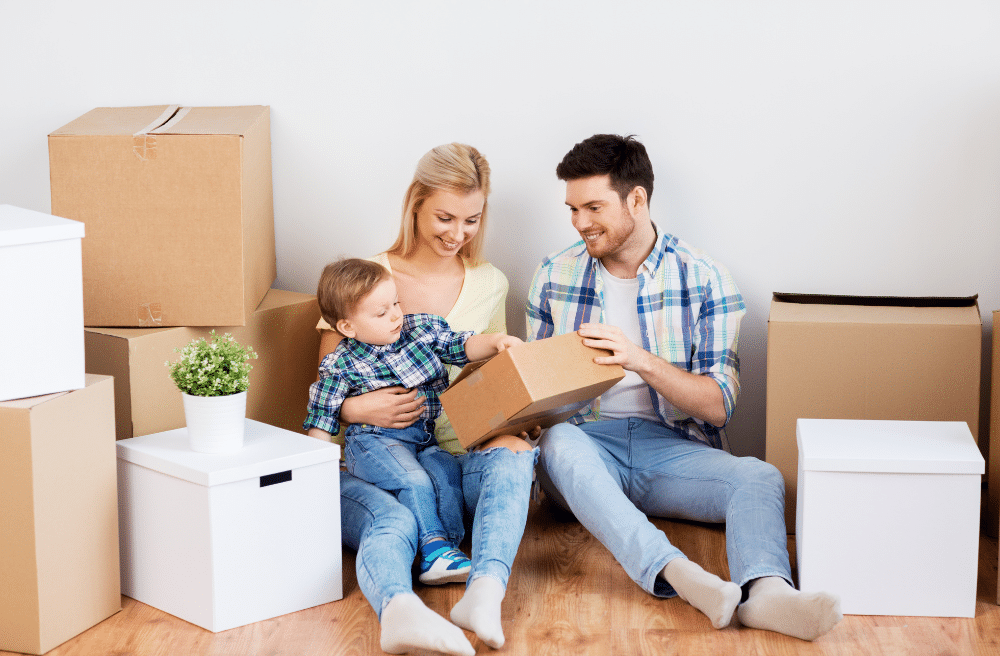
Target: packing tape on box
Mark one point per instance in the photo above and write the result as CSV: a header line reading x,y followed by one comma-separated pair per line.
x,y
474,378
144,141
496,421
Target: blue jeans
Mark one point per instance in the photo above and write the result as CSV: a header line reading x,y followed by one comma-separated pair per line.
x,y
495,488
387,458
612,474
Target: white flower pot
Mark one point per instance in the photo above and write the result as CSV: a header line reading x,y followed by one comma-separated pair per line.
x,y
215,423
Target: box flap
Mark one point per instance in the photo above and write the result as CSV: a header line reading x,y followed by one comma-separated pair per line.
x,y
125,121
213,120
171,454
913,447
20,226
829,308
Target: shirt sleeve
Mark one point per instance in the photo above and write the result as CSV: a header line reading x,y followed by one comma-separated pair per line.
x,y
538,315
447,344
717,334
326,396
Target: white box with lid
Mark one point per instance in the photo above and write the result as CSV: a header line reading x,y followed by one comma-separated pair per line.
x,y
888,515
41,302
224,540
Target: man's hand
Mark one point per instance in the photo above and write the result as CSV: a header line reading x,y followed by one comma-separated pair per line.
x,y
388,407
695,395
611,338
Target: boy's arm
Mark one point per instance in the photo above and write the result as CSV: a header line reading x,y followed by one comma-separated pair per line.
x,y
326,396
480,347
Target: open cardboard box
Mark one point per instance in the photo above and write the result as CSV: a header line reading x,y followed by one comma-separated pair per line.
x,y
538,383
863,357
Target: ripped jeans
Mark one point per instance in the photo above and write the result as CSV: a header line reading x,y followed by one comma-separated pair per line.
x,y
494,486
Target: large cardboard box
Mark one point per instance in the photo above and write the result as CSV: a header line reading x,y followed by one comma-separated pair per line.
x,y
851,357
282,331
538,383
888,515
179,212
223,540
59,568
41,304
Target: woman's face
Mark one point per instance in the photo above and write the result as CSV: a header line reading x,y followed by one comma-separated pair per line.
x,y
447,221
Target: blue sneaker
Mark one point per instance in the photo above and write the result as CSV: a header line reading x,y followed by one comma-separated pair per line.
x,y
444,565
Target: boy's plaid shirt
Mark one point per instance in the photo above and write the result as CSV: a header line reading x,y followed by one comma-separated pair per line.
x,y
414,360
689,315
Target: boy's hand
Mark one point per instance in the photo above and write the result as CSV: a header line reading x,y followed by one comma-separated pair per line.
x,y
506,341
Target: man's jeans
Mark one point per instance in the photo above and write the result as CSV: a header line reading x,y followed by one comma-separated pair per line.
x,y
387,458
495,487
613,473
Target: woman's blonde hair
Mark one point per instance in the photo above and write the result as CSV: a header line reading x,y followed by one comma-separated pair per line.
x,y
452,167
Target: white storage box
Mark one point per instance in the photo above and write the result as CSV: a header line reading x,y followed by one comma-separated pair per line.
x,y
223,540
41,302
888,515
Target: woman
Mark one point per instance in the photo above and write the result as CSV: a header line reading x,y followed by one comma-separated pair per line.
x,y
437,268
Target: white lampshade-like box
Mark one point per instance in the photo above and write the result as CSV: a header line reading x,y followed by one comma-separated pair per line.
x,y
41,304
888,515
224,540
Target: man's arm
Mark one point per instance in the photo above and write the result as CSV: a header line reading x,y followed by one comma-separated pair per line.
x,y
696,395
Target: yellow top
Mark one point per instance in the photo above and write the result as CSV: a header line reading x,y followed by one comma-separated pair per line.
x,y
481,307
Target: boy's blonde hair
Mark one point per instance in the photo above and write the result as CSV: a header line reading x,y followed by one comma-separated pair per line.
x,y
344,283
452,167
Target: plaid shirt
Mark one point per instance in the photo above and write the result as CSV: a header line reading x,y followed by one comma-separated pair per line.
x,y
414,360
689,315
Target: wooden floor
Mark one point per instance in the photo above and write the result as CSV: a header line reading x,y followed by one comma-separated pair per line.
x,y
567,595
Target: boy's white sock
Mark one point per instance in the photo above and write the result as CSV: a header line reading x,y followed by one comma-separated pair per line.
x,y
716,598
479,610
407,625
774,605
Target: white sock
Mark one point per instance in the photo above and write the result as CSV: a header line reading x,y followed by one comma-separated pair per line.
x,y
479,610
774,605
407,624
716,598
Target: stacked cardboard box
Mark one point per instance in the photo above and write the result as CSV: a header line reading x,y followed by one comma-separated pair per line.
x,y
58,545
282,331
179,212
178,207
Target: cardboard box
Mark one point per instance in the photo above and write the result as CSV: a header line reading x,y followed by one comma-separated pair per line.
x,y
888,515
59,538
223,540
41,300
850,357
538,383
179,212
282,331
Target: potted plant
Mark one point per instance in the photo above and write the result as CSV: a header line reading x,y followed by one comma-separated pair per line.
x,y
213,376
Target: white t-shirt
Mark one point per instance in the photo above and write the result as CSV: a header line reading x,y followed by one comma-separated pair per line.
x,y
630,397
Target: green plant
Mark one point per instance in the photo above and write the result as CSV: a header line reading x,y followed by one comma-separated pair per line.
x,y
218,366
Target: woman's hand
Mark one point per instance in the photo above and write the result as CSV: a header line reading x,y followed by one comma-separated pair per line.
x,y
389,407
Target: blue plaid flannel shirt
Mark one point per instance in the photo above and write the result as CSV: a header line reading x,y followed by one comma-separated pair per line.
x,y
414,360
689,314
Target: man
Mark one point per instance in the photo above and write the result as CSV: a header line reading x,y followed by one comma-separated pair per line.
x,y
654,444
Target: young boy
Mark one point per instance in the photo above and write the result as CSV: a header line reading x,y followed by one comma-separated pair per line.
x,y
383,347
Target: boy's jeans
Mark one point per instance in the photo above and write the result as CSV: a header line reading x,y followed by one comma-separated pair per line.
x,y
387,458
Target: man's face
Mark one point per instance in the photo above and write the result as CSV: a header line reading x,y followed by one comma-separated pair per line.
x,y
599,215
377,319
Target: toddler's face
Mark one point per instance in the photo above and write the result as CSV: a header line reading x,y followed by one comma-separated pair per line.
x,y
378,319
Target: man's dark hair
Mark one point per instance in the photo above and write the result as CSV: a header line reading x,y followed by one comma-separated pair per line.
x,y
622,159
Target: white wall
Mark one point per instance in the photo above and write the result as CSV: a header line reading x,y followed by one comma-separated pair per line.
x,y
826,146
